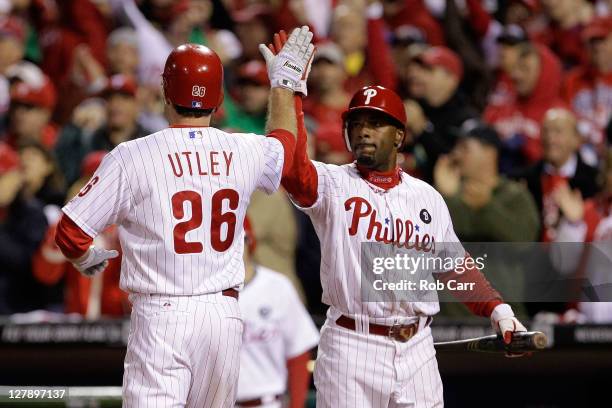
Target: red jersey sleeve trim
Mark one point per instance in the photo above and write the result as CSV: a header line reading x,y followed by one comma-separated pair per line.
x,y
302,181
482,299
288,141
71,239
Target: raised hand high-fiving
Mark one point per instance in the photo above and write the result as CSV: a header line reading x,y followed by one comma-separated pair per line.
x,y
288,59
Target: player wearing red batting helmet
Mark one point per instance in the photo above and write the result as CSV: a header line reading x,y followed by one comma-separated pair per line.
x,y
180,227
376,98
374,125
373,202
193,79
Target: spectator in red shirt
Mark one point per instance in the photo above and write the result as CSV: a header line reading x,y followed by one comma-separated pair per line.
x,y
326,101
360,34
569,19
517,107
588,89
254,26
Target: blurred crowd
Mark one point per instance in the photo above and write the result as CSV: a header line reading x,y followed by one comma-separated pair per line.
x,y
509,105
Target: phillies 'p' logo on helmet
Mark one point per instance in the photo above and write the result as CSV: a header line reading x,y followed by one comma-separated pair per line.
x,y
369,94
193,77
376,98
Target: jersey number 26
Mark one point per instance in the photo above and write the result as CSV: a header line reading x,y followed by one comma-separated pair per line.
x,y
218,218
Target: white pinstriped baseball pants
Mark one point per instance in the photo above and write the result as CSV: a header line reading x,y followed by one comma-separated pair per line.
x,y
356,370
183,351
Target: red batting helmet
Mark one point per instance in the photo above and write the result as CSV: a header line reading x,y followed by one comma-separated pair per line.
x,y
193,77
376,98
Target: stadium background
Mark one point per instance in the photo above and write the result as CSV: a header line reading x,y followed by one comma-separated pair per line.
x,y
79,77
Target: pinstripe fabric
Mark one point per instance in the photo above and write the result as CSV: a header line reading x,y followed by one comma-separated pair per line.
x,y
355,369
183,348
183,351
137,181
332,216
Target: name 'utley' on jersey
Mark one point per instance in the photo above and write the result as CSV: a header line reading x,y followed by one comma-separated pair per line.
x,y
179,195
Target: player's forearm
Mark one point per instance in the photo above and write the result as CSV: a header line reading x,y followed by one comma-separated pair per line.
x,y
72,240
480,297
301,182
281,111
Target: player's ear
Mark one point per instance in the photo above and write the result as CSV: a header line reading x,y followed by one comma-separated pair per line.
x,y
399,137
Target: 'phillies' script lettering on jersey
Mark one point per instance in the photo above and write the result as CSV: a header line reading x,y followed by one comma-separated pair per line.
x,y
404,229
200,164
257,333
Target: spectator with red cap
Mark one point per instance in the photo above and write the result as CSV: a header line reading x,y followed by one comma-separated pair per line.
x,y
516,107
588,89
442,108
245,110
90,297
122,110
29,116
22,228
414,13
326,102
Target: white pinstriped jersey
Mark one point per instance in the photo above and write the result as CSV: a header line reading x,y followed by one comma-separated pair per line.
x,y
349,211
179,197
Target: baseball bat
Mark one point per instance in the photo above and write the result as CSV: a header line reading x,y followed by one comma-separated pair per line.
x,y
521,342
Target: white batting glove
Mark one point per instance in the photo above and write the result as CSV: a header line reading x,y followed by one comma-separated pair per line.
x,y
94,261
504,322
287,69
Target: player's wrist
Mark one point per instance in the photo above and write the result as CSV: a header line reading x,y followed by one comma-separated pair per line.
x,y
502,311
283,83
85,258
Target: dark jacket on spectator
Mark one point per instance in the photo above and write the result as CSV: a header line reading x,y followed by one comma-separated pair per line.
x,y
22,228
440,136
101,138
584,179
74,144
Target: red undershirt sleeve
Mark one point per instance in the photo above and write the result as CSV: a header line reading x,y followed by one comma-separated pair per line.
x,y
298,379
482,299
71,239
287,139
301,182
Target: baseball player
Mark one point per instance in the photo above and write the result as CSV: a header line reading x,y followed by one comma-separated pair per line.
x,y
278,337
179,197
377,354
